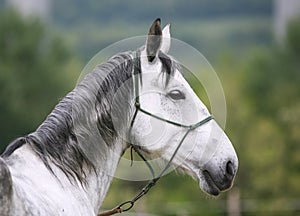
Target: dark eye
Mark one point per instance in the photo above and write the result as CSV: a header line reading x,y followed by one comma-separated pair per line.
x,y
176,95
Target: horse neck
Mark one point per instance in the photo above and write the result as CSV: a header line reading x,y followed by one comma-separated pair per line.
x,y
101,144
79,129
105,167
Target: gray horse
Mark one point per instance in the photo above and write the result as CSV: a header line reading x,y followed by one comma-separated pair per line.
x,y
66,166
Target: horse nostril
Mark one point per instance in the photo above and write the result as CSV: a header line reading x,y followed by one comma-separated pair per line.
x,y
230,168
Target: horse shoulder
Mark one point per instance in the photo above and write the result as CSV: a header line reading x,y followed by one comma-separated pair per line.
x,y
5,189
37,191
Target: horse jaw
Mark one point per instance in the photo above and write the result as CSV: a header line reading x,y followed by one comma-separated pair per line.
x,y
212,160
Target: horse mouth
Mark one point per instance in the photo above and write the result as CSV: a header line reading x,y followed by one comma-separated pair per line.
x,y
209,186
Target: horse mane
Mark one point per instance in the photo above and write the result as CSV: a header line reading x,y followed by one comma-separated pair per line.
x,y
56,140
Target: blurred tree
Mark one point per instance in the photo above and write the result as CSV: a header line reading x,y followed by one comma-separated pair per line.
x,y
293,36
262,94
72,12
271,139
32,74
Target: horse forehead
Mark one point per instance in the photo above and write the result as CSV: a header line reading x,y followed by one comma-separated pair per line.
x,y
158,79
154,72
154,67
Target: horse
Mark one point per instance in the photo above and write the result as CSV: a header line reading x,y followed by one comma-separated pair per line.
x,y
137,99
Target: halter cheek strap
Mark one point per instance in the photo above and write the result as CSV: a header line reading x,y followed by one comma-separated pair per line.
x,y
127,205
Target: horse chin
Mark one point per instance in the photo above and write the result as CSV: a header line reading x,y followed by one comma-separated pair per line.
x,y
208,185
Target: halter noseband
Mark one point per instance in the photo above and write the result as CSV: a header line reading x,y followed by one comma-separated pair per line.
x,y
127,205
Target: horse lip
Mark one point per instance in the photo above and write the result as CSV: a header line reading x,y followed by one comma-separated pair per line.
x,y
214,189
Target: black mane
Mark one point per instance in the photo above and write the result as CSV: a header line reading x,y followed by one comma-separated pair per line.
x,y
55,141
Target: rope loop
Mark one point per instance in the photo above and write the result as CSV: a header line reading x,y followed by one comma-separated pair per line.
x,y
128,205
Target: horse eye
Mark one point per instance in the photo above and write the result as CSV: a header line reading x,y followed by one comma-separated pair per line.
x,y
176,95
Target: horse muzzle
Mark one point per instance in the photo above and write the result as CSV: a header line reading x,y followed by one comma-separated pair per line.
x,y
215,179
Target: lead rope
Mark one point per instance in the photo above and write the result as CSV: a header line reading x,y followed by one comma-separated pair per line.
x,y
127,205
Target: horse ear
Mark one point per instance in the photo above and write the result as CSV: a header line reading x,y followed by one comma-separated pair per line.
x,y
154,40
166,39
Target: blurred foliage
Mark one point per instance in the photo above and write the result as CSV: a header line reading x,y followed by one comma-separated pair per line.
x,y
106,10
272,86
208,36
263,122
231,24
33,74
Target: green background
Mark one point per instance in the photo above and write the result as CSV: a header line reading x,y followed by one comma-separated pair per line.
x,y
41,59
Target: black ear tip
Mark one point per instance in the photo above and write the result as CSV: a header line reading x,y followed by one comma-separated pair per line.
x,y
158,21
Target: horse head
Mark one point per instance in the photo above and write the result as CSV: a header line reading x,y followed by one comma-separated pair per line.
x,y
173,124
